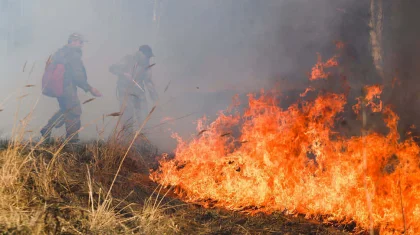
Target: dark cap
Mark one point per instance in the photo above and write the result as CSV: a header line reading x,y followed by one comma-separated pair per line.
x,y
76,36
147,51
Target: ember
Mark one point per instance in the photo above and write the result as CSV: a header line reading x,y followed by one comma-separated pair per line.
x,y
294,161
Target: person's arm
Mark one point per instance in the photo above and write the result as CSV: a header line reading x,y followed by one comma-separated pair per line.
x,y
80,76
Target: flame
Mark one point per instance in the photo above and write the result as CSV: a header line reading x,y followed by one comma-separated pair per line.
x,y
318,71
292,160
306,91
371,93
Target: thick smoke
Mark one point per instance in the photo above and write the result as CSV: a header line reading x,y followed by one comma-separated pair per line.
x,y
209,50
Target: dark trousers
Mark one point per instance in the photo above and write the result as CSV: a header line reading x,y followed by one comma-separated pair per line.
x,y
68,114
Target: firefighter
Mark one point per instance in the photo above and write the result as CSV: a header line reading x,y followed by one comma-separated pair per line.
x,y
75,77
134,81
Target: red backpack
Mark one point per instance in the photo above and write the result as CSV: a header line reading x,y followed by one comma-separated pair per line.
x,y
53,79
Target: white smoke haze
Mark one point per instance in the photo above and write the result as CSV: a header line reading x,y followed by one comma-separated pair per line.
x,y
209,50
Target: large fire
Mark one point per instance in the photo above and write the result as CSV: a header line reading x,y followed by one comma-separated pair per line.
x,y
292,160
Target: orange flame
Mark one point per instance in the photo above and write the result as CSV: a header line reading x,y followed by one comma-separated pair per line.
x,y
371,93
318,71
306,91
291,159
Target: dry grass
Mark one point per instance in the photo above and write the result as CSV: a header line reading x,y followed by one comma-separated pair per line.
x,y
152,217
56,188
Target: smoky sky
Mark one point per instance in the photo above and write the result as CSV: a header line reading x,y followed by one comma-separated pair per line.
x,y
209,50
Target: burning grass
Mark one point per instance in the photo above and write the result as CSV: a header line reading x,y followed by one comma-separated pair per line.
x,y
294,160
104,188
45,192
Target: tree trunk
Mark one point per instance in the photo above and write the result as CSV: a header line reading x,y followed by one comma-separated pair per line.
x,y
396,37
